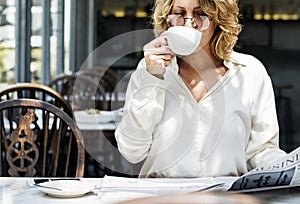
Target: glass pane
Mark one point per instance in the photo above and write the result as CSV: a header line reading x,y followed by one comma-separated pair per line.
x,y
36,2
7,42
36,42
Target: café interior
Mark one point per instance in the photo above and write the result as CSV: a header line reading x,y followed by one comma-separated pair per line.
x,y
47,45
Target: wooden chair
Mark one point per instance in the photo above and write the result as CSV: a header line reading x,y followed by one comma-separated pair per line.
x,y
108,79
80,91
36,91
105,75
39,139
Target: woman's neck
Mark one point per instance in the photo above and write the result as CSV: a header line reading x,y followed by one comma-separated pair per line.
x,y
201,67
200,61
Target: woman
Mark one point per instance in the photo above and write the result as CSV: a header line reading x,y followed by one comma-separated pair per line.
x,y
211,113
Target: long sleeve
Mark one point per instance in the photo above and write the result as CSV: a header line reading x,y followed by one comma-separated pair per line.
x,y
142,111
263,146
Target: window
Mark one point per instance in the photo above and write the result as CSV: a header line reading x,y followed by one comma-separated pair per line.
x,y
33,31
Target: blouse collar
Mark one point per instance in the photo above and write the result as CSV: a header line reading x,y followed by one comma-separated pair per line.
x,y
233,63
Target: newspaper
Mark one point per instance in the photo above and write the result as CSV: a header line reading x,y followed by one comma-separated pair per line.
x,y
159,185
282,173
116,189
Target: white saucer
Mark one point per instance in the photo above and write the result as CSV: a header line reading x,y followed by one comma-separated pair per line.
x,y
69,188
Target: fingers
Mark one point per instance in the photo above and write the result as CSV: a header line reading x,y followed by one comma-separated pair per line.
x,y
158,56
157,64
158,46
157,42
162,61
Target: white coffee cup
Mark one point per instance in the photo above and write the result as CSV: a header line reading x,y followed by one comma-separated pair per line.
x,y
183,40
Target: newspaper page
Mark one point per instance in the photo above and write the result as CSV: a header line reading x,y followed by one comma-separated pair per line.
x,y
157,185
282,173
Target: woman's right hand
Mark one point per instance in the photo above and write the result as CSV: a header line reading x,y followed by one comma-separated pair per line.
x,y
158,56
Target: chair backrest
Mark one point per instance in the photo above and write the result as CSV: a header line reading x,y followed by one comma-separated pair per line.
x,y
108,79
105,75
81,92
36,91
39,139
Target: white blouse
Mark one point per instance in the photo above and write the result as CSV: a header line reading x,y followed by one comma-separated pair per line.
x,y
230,131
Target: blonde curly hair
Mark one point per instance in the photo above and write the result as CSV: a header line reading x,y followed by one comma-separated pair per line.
x,y
224,13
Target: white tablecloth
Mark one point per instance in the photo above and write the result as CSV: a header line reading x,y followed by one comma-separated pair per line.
x,y
108,120
97,126
17,191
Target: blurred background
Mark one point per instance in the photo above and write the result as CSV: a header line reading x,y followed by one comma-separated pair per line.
x,y
41,39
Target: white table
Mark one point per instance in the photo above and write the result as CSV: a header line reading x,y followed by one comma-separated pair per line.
x,y
106,120
17,191
97,126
